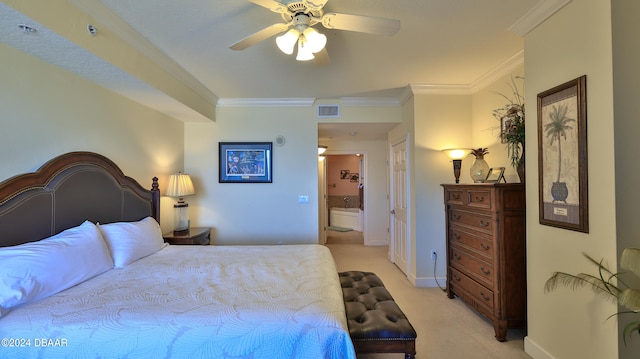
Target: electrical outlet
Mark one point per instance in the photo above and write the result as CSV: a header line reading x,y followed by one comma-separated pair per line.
x,y
434,254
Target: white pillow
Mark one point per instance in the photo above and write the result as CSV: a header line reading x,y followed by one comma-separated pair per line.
x,y
36,270
130,241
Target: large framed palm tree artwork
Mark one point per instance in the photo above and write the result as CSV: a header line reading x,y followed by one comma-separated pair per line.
x,y
562,156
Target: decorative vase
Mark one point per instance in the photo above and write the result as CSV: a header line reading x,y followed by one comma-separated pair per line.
x,y
479,169
559,192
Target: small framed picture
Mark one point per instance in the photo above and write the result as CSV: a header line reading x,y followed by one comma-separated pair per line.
x,y
495,175
245,162
505,125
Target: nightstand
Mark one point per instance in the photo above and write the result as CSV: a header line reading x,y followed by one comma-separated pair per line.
x,y
195,235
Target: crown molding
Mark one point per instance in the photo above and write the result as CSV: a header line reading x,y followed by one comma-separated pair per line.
x,y
307,102
405,95
537,15
483,81
434,89
370,102
266,102
497,72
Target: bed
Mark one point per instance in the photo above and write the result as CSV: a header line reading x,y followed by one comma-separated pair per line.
x,y
86,274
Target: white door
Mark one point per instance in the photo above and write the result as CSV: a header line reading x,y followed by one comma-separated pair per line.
x,y
399,202
322,200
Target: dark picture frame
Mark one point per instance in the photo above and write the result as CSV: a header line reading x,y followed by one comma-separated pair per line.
x,y
562,156
245,162
495,175
505,124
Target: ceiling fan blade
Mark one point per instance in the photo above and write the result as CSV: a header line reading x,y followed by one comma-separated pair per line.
x,y
314,4
368,24
259,36
321,58
271,5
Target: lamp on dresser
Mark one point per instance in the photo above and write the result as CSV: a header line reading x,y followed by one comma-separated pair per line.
x,y
457,155
180,186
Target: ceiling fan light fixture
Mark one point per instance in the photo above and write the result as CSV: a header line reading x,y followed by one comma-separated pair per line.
x,y
314,40
287,41
304,52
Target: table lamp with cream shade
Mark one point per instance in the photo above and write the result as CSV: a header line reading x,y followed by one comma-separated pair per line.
x,y
180,186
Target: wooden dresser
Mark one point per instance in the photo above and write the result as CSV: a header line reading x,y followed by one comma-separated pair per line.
x,y
486,251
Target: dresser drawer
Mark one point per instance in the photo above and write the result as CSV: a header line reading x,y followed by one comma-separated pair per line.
x,y
481,245
479,198
465,286
455,197
471,265
477,221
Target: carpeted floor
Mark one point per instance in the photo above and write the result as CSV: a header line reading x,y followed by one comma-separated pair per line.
x,y
447,328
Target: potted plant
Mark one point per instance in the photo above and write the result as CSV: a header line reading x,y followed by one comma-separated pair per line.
x,y
512,131
611,285
555,130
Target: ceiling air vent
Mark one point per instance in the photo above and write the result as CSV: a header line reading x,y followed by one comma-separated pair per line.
x,y
325,111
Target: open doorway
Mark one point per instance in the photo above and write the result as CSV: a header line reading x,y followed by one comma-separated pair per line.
x,y
371,142
344,197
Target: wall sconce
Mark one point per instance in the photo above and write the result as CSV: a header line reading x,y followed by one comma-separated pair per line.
x,y
321,149
180,185
457,155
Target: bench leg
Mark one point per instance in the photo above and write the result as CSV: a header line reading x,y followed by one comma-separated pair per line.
x,y
411,350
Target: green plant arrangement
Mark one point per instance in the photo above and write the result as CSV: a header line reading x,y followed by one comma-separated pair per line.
x,y
480,152
512,126
609,284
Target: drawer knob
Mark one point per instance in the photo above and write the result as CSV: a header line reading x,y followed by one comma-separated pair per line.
x,y
456,236
455,216
456,278
484,296
486,247
457,256
485,271
479,198
455,196
484,223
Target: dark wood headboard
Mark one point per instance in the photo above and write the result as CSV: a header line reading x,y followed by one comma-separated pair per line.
x,y
68,190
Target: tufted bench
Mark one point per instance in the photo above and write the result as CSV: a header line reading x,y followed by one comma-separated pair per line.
x,y
376,323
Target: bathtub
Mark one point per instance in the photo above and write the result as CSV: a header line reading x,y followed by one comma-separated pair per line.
x,y
346,218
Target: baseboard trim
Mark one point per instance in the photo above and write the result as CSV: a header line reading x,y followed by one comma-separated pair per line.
x,y
374,243
534,350
428,282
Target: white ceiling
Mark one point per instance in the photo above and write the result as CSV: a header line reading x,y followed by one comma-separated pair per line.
x,y
441,43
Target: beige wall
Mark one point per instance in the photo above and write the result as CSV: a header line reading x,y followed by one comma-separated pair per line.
x,y
626,87
47,111
572,324
270,213
431,123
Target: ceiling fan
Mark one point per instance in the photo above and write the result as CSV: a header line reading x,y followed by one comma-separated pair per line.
x,y
300,17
